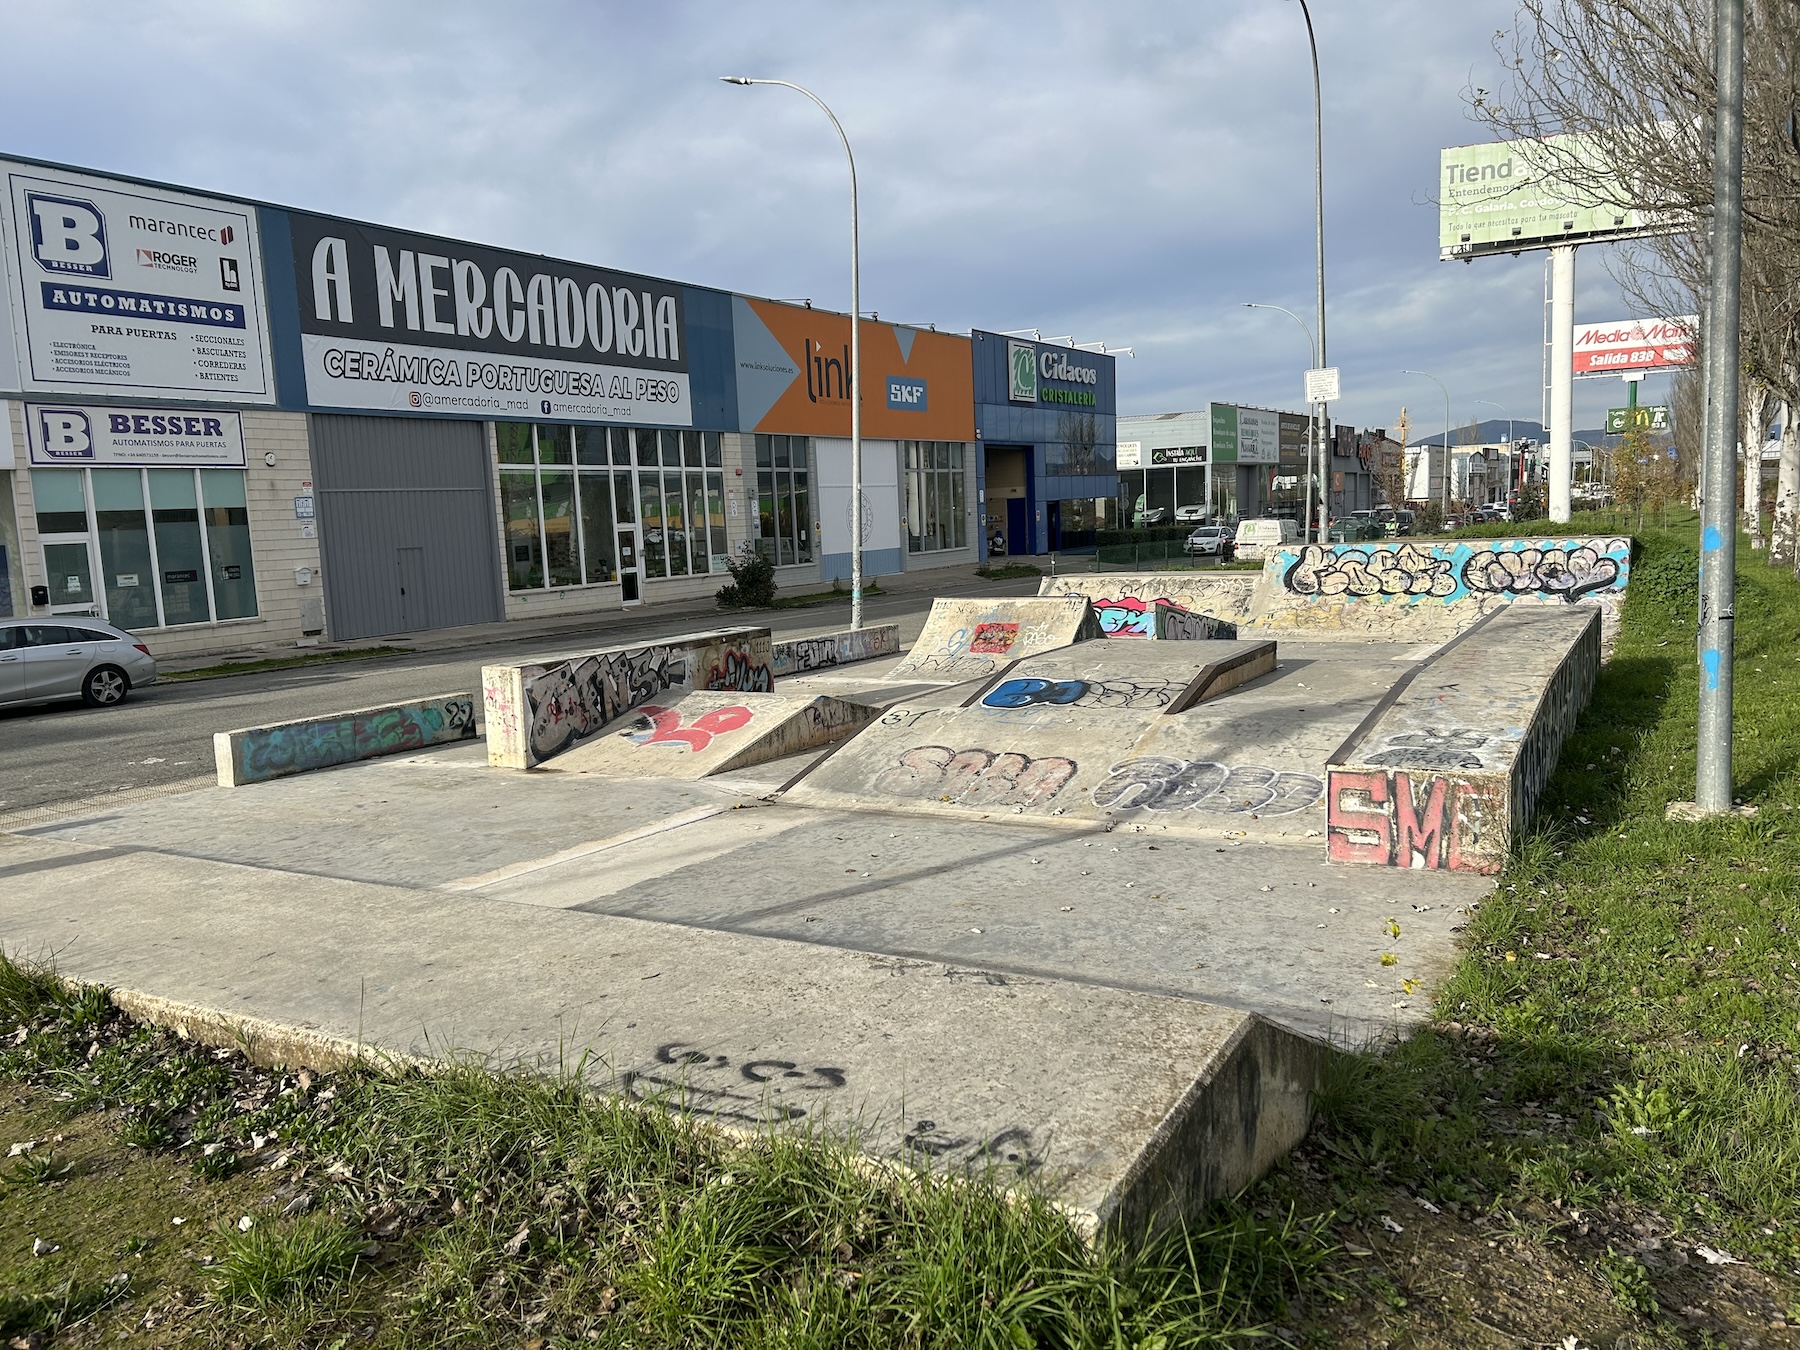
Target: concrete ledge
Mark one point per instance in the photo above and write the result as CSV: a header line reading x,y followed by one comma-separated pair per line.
x,y
798,656
1125,602
1225,674
540,709
257,754
1446,773
1172,623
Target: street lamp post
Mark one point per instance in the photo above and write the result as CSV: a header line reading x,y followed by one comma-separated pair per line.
x,y
1319,248
1511,446
1447,460
856,494
1313,354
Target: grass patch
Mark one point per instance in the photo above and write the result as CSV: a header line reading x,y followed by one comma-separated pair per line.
x,y
813,598
281,663
1008,572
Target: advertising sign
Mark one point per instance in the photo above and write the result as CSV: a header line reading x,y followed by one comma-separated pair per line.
x,y
1245,435
1645,417
1178,454
793,375
1021,365
1129,455
1634,345
1504,197
120,289
392,321
86,436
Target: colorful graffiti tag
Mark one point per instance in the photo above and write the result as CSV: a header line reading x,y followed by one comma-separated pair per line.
x,y
663,726
994,639
1160,783
1130,616
1565,569
261,753
1391,818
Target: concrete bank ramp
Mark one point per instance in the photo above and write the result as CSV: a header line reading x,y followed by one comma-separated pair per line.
x,y
699,733
968,639
1432,590
1125,602
1085,737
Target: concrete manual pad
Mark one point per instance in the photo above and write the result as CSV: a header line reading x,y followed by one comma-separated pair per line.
x,y
697,734
1128,1108
1252,760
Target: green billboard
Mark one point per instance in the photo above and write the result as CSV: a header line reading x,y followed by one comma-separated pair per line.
x,y
1507,196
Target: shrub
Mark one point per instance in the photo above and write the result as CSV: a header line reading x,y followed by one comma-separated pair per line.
x,y
752,583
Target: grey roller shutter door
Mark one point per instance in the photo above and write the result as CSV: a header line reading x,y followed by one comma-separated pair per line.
x,y
406,524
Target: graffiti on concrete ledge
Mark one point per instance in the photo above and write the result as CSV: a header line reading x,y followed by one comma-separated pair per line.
x,y
1174,624
271,752
739,672
1564,569
976,777
1029,692
1161,783
1431,748
756,1091
1130,616
579,697
994,639
663,726
1395,819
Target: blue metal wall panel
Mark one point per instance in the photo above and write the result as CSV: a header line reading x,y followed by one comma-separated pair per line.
x,y
712,360
283,296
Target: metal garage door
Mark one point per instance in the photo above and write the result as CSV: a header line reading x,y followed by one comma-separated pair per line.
x,y
406,524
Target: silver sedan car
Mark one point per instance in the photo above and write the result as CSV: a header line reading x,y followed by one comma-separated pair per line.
x,y
61,657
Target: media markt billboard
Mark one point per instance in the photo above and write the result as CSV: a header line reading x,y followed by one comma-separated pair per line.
x,y
122,289
1244,435
1506,196
406,322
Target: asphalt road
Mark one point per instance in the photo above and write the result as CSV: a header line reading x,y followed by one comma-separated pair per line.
x,y
163,733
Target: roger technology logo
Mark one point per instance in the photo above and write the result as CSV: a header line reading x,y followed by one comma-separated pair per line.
x,y
68,235
65,433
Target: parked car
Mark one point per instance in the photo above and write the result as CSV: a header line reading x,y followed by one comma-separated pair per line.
x,y
1189,515
1213,541
45,660
1155,515
1256,537
1353,529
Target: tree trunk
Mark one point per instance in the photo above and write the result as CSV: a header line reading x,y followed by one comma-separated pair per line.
x,y
1756,428
1786,524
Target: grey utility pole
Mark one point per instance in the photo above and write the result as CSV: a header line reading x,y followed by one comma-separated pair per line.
x,y
1718,469
1319,409
856,493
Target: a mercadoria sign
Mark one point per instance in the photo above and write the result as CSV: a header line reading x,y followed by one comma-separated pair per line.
x,y
400,321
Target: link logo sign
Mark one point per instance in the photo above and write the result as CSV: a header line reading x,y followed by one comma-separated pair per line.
x,y
407,322
121,289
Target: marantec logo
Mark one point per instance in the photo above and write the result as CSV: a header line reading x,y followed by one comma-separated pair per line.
x,y
68,235
65,433
1022,374
905,394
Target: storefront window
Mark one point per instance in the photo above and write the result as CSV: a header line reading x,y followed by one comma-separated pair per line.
x,y
935,500
173,545
561,499
783,504
228,543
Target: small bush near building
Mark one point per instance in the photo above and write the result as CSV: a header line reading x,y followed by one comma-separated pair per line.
x,y
752,583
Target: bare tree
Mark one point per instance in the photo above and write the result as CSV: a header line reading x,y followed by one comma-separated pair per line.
x,y
1634,80
1754,404
1787,494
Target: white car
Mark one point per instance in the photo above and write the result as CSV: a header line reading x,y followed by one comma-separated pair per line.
x,y
42,660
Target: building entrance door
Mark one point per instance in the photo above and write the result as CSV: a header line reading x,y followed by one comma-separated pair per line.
x,y
629,549
415,606
69,569
1018,526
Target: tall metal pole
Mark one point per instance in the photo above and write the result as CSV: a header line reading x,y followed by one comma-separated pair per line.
x,y
1718,507
1319,409
1562,380
855,378
1447,460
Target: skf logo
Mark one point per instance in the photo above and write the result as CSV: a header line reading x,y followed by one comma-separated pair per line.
x,y
905,395
65,433
68,235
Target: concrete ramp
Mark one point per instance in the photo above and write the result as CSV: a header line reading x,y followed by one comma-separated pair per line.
x,y
700,733
1434,589
1125,602
1097,737
967,639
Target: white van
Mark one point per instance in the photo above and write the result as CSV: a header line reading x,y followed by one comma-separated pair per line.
x,y
1256,537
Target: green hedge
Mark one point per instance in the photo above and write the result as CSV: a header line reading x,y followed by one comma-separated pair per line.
x,y
1151,535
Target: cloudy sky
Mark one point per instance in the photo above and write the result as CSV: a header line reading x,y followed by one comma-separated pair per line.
x,y
1123,172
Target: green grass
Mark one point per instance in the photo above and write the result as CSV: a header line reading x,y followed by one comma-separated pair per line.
x,y
281,663
813,598
1008,571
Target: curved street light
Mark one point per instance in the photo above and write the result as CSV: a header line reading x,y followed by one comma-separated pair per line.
x,y
1447,460
856,494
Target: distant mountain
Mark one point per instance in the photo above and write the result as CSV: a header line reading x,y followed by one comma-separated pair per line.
x,y
1494,430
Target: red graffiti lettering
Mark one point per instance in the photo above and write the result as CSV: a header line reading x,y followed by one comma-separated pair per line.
x,y
994,639
665,726
1420,834
1358,827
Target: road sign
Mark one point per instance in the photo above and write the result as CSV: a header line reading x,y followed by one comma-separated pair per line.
x,y
1649,417
1322,385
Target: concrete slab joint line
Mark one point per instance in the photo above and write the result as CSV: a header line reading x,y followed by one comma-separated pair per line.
x,y
540,709
1450,771
820,651
257,754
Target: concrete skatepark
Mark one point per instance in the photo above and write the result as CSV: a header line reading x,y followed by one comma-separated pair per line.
x,y
1055,895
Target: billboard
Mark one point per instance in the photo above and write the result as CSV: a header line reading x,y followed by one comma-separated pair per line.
x,y
128,290
1635,345
398,322
793,375
1244,435
79,436
1505,196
